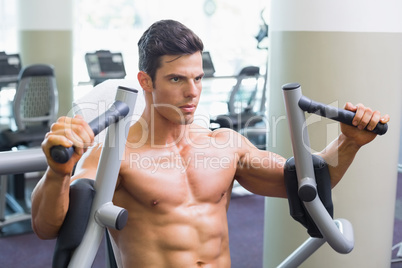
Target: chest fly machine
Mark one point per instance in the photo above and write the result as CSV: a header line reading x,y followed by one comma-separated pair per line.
x,y
308,181
91,209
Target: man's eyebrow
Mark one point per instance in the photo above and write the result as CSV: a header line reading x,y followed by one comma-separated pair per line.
x,y
182,76
175,75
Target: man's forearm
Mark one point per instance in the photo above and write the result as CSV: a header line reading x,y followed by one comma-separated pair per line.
x,y
50,200
339,155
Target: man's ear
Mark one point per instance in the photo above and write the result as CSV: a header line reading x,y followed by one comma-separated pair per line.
x,y
145,81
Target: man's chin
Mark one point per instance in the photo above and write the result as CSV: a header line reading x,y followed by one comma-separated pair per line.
x,y
187,120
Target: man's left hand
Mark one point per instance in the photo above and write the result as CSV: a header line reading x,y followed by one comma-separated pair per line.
x,y
365,118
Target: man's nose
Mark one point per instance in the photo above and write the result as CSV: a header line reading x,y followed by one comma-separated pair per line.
x,y
192,90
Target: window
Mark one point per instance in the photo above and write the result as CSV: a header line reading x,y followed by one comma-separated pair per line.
x,y
8,26
227,27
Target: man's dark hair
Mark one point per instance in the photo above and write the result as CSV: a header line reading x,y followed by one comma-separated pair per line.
x,y
165,37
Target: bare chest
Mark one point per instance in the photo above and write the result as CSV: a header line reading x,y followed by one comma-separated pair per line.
x,y
156,178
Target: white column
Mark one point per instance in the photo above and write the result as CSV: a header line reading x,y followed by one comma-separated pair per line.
x,y
45,36
339,51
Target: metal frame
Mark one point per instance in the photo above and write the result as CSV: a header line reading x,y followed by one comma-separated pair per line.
x,y
338,233
100,212
103,211
16,162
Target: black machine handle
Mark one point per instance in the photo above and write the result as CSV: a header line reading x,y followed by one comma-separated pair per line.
x,y
118,111
341,115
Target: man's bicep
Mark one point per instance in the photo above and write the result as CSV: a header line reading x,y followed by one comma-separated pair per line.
x,y
261,172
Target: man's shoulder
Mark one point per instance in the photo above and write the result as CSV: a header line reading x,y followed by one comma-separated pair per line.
x,y
225,133
229,140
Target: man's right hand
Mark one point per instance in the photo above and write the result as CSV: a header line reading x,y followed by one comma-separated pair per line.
x,y
67,132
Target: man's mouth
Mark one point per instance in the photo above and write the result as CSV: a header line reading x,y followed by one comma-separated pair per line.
x,y
188,108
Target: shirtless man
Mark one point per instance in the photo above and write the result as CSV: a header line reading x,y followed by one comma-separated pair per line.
x,y
177,207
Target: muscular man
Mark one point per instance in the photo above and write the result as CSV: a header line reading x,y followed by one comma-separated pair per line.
x,y
177,206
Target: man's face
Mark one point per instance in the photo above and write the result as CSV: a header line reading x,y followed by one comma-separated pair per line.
x,y
177,87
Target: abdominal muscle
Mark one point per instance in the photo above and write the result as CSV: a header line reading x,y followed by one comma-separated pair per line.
x,y
183,236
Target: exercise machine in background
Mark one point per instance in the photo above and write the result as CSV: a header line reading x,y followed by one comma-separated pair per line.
x,y
103,65
247,99
34,107
17,162
10,66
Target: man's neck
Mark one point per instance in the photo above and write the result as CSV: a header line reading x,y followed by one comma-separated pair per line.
x,y
162,133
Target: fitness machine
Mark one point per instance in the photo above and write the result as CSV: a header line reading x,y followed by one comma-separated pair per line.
x,y
103,65
310,201
17,162
91,209
10,67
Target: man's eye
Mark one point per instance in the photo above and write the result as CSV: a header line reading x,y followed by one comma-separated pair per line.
x,y
175,79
